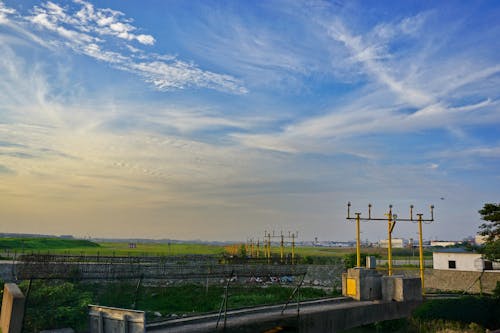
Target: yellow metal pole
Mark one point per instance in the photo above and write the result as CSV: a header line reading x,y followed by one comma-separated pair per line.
x,y
358,242
389,245
269,248
293,249
421,252
282,248
258,248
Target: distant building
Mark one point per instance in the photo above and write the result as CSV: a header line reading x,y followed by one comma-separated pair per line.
x,y
460,260
443,243
395,243
66,237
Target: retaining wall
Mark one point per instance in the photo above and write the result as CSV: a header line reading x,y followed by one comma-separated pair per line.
x,y
317,275
466,281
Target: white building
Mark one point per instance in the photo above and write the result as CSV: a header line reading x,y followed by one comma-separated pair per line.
x,y
443,243
395,243
460,260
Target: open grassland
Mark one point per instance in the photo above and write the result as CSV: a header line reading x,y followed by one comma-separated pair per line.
x,y
9,246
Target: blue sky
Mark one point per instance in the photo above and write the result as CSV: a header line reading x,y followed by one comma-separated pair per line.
x,y
219,120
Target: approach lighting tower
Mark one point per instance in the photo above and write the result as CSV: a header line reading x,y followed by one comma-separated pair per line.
x,y
391,222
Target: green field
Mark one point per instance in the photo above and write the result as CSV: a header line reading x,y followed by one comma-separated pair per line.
x,y
11,246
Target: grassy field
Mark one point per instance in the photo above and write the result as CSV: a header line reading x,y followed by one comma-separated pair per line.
x,y
85,247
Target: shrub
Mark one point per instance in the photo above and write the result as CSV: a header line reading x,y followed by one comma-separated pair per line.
x,y
484,311
53,305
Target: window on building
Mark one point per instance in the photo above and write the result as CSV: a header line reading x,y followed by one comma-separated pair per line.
x,y
452,264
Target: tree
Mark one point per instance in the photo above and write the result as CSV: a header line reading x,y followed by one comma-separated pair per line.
x,y
490,213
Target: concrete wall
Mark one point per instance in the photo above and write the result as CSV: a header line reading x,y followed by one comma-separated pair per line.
x,y
463,261
341,319
324,275
471,282
6,272
317,275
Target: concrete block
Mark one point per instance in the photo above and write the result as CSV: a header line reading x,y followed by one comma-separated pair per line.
x,y
388,285
411,289
362,284
399,288
11,318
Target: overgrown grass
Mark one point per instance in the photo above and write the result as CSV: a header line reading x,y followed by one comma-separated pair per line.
x,y
484,311
56,304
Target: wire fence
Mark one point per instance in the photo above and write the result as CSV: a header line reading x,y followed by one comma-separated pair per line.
x,y
43,266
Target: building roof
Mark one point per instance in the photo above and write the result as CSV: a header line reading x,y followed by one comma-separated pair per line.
x,y
455,250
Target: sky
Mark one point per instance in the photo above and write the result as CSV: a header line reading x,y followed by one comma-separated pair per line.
x,y
218,120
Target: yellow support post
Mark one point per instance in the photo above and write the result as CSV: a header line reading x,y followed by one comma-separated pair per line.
x,y
269,248
389,240
421,252
282,248
293,249
358,242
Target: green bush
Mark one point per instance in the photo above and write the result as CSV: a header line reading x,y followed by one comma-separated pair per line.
x,y
484,311
55,304
319,260
496,291
350,260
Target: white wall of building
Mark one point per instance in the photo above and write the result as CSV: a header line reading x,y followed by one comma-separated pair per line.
x,y
463,261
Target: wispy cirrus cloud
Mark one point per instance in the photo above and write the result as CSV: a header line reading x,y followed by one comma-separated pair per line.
x,y
405,92
104,34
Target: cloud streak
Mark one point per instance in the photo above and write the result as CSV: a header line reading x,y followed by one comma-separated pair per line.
x,y
398,98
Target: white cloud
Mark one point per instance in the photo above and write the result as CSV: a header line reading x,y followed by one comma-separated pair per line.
x,y
85,32
109,22
179,74
5,12
368,55
433,166
474,152
145,39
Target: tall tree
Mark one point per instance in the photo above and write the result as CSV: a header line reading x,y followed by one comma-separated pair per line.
x,y
490,213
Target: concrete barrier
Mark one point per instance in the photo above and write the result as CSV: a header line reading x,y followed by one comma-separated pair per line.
x,y
362,284
104,319
11,318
